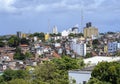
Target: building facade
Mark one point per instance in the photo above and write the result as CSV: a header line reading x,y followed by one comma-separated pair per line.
x,y
79,48
90,31
113,47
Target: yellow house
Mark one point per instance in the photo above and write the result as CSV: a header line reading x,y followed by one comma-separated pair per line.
x,y
47,36
105,49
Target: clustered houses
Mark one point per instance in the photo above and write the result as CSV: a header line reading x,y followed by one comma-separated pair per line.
x,y
57,45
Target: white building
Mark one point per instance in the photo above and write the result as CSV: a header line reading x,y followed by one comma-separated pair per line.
x,y
95,60
81,77
55,31
79,48
65,33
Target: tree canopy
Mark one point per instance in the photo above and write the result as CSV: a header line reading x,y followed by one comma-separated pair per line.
x,y
107,72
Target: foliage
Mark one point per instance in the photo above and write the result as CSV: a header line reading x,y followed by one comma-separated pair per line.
x,y
96,81
19,81
76,35
56,71
88,55
67,63
41,35
18,54
47,73
13,74
24,41
2,44
109,72
95,42
13,41
117,53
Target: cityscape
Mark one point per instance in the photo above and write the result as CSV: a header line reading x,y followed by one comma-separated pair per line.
x,y
41,42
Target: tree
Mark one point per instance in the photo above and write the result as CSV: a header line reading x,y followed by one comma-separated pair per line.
x,y
13,41
108,72
2,44
47,73
20,81
96,81
88,55
14,74
41,35
24,41
56,70
95,42
18,54
67,63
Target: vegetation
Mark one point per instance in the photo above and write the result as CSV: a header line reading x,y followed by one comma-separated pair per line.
x,y
49,72
106,72
13,41
2,44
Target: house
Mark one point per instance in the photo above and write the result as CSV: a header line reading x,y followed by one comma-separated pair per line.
x,y
80,76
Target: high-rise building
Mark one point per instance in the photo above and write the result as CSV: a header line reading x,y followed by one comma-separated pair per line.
x,y
55,30
90,31
19,34
79,48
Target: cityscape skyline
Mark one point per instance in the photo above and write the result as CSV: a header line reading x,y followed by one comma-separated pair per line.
x,y
39,15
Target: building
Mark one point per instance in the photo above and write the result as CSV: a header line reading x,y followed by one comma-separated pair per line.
x,y
80,76
47,36
93,61
65,33
19,34
90,31
78,48
55,31
75,30
112,47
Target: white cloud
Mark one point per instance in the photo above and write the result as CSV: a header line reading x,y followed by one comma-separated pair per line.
x,y
62,5
6,5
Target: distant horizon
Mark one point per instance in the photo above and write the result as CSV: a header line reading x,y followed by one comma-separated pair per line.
x,y
41,15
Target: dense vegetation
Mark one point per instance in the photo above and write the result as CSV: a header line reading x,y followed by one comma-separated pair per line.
x,y
49,72
106,73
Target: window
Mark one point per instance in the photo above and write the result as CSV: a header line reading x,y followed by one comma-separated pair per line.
x,y
84,82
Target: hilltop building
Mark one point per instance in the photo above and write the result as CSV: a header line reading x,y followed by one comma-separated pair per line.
x,y
90,31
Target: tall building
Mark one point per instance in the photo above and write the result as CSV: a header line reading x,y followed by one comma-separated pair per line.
x,y
90,31
55,30
79,48
19,34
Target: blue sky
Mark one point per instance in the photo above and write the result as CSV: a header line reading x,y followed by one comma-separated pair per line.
x,y
34,15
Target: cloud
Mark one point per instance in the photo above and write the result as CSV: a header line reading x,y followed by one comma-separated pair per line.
x,y
6,5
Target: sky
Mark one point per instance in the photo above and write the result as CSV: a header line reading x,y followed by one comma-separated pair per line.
x,y
29,16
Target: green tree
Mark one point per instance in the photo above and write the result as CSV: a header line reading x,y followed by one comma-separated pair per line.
x,y
13,74
108,72
47,73
67,63
13,41
2,44
96,81
19,81
18,54
24,41
41,35
88,55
